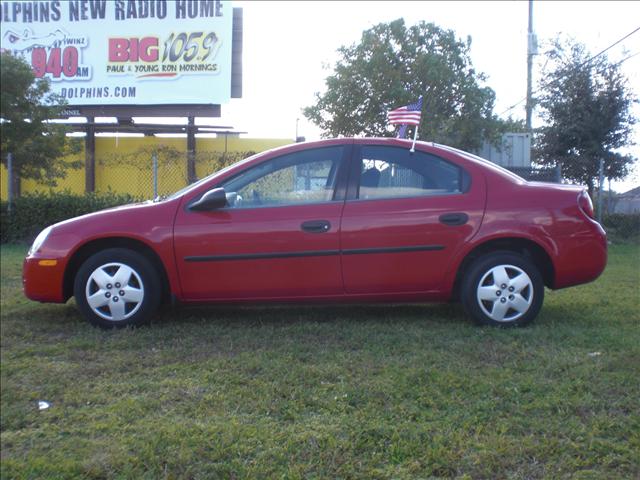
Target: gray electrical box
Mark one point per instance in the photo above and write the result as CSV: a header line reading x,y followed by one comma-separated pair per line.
x,y
514,150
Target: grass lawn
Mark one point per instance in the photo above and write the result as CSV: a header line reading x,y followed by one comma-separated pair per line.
x,y
326,392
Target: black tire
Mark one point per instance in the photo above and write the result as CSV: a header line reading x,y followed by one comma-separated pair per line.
x,y
512,306
140,280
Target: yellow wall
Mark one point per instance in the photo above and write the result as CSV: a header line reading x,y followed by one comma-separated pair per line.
x,y
3,183
134,174
74,181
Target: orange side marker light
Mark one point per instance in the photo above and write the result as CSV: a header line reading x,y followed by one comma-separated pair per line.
x,y
48,263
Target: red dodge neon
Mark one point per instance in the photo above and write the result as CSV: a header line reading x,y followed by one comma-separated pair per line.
x,y
344,220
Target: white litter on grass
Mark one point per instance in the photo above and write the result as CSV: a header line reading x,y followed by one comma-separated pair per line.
x,y
42,405
594,354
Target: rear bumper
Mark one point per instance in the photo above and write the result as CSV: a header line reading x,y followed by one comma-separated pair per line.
x,y
42,281
581,257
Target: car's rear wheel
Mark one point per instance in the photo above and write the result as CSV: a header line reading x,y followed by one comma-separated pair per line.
x,y
502,289
116,288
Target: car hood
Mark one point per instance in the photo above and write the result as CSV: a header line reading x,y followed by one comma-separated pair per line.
x,y
105,212
122,220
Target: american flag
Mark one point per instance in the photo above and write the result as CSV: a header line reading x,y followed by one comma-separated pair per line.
x,y
407,115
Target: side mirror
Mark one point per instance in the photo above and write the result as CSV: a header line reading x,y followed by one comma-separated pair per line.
x,y
210,200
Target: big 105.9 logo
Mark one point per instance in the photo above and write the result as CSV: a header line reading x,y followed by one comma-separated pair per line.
x,y
179,53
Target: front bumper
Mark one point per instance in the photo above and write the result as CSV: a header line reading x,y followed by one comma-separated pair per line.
x,y
42,280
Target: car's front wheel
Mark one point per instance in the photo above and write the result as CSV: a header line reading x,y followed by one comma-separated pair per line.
x,y
117,287
502,289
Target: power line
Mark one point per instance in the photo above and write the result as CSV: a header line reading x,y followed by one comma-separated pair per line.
x,y
626,58
611,46
580,65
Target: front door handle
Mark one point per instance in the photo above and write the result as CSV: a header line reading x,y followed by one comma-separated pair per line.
x,y
316,226
454,219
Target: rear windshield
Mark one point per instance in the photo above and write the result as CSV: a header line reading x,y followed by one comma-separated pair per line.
x,y
484,161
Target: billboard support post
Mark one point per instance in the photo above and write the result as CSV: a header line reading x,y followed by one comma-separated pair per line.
x,y
191,150
90,157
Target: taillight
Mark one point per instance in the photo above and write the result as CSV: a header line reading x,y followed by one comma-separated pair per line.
x,y
585,204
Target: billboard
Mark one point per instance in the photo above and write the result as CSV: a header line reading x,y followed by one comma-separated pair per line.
x,y
125,52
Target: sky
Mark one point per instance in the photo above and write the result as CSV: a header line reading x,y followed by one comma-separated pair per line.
x,y
290,47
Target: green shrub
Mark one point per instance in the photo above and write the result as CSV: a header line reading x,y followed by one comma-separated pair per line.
x,y
622,227
34,211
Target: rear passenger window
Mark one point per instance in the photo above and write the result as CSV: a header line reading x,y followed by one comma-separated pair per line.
x,y
390,172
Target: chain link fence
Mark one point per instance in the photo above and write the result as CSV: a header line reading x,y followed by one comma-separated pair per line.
x,y
151,172
619,214
138,172
538,174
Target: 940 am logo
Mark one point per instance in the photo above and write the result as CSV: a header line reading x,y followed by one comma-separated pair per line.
x,y
55,53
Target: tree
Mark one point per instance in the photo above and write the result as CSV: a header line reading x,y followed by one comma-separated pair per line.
x,y
37,147
586,105
390,67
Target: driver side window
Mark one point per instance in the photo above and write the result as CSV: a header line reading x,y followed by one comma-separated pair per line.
x,y
297,178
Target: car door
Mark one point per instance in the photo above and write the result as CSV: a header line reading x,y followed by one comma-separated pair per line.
x,y
405,215
277,238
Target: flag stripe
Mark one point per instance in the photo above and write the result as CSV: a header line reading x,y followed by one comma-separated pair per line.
x,y
407,115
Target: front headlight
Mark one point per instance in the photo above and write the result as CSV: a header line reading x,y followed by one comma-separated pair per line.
x,y
37,243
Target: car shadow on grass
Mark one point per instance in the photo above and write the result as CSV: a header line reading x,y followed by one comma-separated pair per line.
x,y
285,315
431,314
66,319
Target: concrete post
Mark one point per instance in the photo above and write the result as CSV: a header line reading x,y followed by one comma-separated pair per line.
x,y
600,189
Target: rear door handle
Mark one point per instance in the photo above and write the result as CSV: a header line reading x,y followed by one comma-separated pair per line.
x,y
454,219
316,226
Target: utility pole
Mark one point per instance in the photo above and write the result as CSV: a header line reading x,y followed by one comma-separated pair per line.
x,y
531,51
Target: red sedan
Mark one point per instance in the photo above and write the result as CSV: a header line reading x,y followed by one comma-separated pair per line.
x,y
344,220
